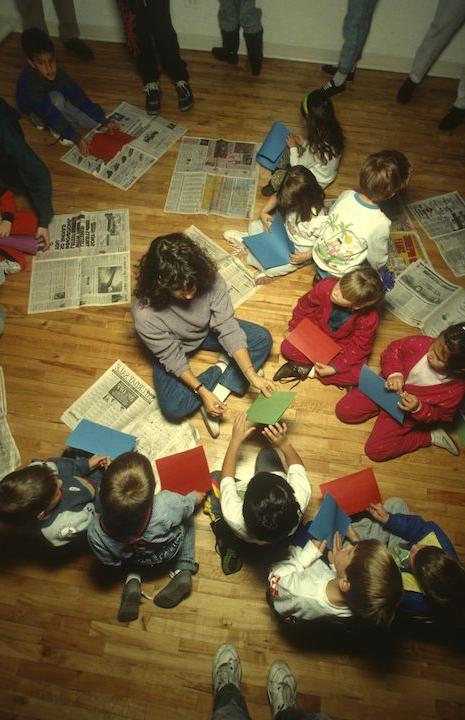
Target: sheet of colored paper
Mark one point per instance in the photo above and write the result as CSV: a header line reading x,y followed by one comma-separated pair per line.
x,y
329,519
267,411
354,492
372,385
272,248
185,472
100,440
313,342
273,146
106,145
24,243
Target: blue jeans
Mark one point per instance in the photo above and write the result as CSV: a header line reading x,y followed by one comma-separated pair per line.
x,y
355,29
229,704
176,400
74,116
185,559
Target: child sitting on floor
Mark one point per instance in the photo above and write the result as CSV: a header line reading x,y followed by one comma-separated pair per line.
x,y
432,576
347,311
356,230
268,508
56,496
49,97
320,152
300,200
429,374
361,579
145,530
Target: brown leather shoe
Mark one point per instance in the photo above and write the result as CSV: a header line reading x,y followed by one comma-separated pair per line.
x,y
293,371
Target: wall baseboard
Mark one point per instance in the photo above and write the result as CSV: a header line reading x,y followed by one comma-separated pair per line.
x,y
370,61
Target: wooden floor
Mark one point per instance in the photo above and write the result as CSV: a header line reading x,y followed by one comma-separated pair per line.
x,y
62,652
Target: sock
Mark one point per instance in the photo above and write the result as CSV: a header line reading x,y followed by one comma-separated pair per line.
x,y
222,364
133,576
221,392
339,78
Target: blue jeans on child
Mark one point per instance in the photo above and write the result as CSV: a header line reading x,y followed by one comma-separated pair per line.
x,y
177,400
230,704
74,116
185,559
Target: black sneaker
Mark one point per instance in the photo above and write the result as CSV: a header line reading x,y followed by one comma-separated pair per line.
x,y
332,70
79,48
185,97
406,91
453,118
152,98
331,89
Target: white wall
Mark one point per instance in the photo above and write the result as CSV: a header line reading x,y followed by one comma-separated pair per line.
x,y
294,29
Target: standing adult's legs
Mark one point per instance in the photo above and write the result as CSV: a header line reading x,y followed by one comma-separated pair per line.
x,y
355,30
456,114
66,14
450,15
32,14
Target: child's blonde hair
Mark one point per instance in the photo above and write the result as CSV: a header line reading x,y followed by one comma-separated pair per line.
x,y
384,174
126,491
362,287
375,583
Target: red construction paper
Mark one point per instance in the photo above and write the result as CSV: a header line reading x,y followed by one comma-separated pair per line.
x,y
106,145
185,471
313,342
354,492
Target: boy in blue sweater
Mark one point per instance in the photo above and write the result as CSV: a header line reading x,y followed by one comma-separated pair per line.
x,y
432,576
50,98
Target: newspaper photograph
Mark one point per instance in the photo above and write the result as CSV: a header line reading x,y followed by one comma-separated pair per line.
x,y
88,262
405,248
120,399
153,137
424,299
217,177
443,219
10,458
239,281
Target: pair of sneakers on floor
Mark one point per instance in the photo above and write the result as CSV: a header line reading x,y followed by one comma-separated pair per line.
x,y
179,587
153,95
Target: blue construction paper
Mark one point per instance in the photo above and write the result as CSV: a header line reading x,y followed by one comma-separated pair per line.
x,y
329,519
273,146
100,440
372,385
272,248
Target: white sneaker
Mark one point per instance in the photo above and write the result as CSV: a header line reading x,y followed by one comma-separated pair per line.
x,y
226,668
234,237
281,687
441,439
211,423
62,141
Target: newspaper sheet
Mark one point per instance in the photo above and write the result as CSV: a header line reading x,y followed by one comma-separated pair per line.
x,y
87,264
9,454
121,400
424,299
443,219
239,281
153,137
217,177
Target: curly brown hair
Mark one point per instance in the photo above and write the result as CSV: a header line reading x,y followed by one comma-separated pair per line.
x,y
172,262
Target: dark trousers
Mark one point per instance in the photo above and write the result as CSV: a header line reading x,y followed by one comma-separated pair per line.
x,y
230,704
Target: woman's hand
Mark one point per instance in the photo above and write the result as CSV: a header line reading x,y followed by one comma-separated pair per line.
x,y
266,220
408,403
378,513
5,228
43,242
265,386
240,430
324,370
394,383
211,403
276,434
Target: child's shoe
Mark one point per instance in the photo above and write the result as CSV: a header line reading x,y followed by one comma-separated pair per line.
x,y
228,53
185,96
152,98
61,140
254,43
441,439
281,687
177,589
226,668
130,599
406,91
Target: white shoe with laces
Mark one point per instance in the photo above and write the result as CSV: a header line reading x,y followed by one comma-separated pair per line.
x,y
211,423
226,668
441,439
281,687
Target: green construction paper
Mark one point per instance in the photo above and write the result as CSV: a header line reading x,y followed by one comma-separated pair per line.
x,y
267,411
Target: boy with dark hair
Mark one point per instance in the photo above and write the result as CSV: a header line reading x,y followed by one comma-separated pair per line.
x,y
269,507
141,529
57,496
356,230
49,97
361,579
432,576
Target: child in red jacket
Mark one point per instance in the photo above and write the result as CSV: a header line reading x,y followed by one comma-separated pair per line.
x,y
429,374
345,309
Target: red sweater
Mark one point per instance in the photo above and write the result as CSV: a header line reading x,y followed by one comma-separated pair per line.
x,y
438,402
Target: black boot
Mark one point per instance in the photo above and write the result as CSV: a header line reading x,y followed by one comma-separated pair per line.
x,y
254,42
228,53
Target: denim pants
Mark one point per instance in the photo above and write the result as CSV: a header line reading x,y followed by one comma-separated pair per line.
x,y
355,30
185,559
230,704
74,116
233,14
177,401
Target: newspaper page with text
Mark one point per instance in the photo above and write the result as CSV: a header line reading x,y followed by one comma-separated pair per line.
x,y
9,455
153,137
88,262
217,177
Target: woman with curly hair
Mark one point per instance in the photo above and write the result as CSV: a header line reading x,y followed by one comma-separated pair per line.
x,y
183,306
